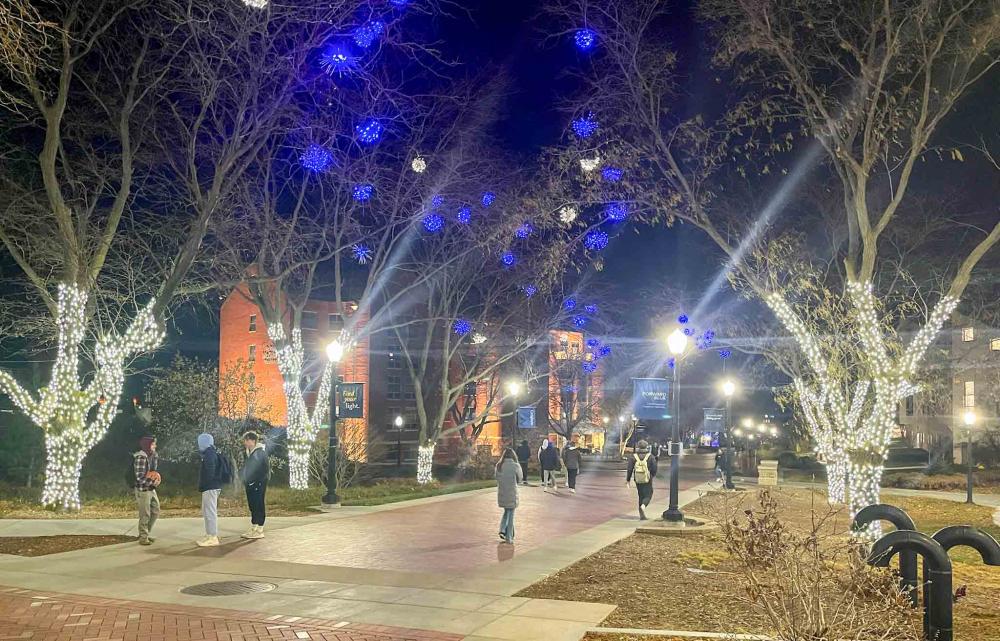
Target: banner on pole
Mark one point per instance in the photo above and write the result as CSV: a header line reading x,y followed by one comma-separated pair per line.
x,y
351,397
651,398
715,419
526,418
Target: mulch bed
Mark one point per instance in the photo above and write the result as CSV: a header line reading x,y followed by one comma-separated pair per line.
x,y
42,545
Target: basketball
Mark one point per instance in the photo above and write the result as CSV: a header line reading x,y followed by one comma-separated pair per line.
x,y
154,476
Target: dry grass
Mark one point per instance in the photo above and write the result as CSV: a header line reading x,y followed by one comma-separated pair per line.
x,y
42,545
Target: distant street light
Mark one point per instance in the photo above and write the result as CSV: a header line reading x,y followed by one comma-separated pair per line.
x,y
398,422
335,352
969,418
748,423
728,389
514,388
677,343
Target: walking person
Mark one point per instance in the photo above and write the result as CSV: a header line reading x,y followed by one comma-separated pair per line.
x,y
642,470
541,468
523,456
718,464
573,460
550,464
508,475
146,479
210,481
255,475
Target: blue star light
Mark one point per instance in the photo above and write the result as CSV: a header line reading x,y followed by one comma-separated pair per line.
x,y
616,211
369,132
462,326
671,362
464,215
316,158
688,331
589,367
363,192
368,33
400,3
433,223
524,230
570,304
437,200
682,319
593,342
571,389
611,174
488,198
591,309
508,258
530,290
362,253
585,39
604,351
585,126
337,58
596,240
579,320
724,354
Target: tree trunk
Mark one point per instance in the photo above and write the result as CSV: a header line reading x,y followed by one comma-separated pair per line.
x,y
298,463
64,459
425,463
836,481
864,480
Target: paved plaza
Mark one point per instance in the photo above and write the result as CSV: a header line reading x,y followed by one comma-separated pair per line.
x,y
432,564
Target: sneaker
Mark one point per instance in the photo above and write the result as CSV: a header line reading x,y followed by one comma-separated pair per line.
x,y
572,490
502,537
256,532
642,512
250,533
145,541
509,541
207,542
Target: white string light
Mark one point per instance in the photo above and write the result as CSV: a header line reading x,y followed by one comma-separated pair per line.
x,y
590,164
419,165
425,464
568,214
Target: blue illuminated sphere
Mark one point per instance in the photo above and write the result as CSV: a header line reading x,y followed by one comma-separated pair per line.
x,y
596,240
585,39
400,3
362,253
570,304
524,230
530,290
616,211
590,367
724,354
585,126
579,320
611,174
437,200
368,33
363,192
462,327
488,198
604,351
682,319
337,58
433,223
508,258
671,362
570,389
464,215
316,158
369,132
688,331
593,342
591,309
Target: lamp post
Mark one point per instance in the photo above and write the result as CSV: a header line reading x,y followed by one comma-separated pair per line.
x,y
334,352
677,342
728,389
969,418
398,422
513,390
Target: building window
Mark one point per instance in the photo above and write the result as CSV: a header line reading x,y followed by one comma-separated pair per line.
x,y
252,355
394,387
970,394
253,323
995,344
394,357
968,334
335,322
308,320
909,406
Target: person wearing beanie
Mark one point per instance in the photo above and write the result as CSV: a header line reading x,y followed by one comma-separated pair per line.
x,y
210,486
642,470
573,461
255,474
147,479
551,463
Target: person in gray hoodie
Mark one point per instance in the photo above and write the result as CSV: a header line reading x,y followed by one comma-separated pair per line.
x,y
210,486
509,476
573,461
255,474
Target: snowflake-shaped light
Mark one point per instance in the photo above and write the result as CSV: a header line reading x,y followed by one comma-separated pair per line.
x,y
596,240
316,158
590,164
464,215
363,192
419,165
585,126
589,367
337,58
433,223
437,200
616,211
604,351
612,174
530,290
461,326
525,230
369,132
682,319
585,39
368,33
591,309
579,320
478,339
593,343
362,253
724,354
568,214
508,258
488,198
570,303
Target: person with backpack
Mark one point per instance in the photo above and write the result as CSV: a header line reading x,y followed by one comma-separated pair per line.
x,y
551,462
573,461
523,456
255,474
642,470
144,479
215,473
508,474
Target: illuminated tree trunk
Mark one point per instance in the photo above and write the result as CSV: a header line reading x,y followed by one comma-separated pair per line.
x,y
836,481
425,463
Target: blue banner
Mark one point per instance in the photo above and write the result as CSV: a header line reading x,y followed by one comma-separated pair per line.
x,y
651,398
526,418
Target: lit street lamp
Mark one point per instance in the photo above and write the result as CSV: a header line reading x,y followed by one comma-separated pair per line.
x,y
969,418
398,422
677,343
513,391
335,352
728,389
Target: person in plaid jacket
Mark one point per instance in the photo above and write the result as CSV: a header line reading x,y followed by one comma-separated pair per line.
x,y
147,479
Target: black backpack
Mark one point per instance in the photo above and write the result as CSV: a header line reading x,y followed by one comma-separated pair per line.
x,y
223,468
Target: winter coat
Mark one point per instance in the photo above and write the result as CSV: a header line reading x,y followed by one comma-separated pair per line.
x,y
256,469
208,477
550,459
523,453
572,458
650,463
508,477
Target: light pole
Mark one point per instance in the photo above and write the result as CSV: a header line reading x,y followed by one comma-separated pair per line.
x,y
728,389
677,342
513,390
398,422
969,418
334,352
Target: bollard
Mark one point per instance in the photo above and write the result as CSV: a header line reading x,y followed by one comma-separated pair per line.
x,y
938,600
907,559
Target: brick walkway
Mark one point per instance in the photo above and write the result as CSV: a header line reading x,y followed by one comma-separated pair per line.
x,y
44,616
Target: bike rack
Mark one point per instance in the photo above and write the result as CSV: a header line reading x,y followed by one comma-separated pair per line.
x,y
907,559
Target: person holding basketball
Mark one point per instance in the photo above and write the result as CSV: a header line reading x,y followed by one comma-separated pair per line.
x,y
147,479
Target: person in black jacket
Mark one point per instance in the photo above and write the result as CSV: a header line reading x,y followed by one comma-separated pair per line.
x,y
255,475
523,456
210,486
551,463
642,469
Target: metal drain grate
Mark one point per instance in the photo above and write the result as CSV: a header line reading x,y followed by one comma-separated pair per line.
x,y
228,588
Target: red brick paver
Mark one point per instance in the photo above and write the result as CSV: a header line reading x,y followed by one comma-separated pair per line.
x,y
47,616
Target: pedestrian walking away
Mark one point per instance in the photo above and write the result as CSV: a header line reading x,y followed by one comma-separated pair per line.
x,y
255,474
718,465
210,482
550,464
508,475
573,461
642,470
523,456
145,480
541,468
